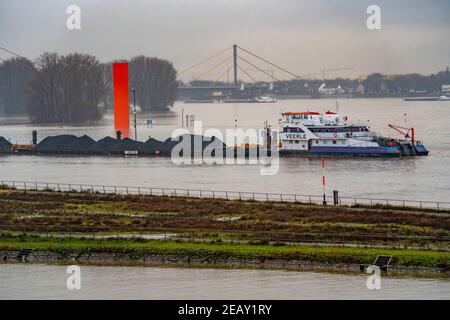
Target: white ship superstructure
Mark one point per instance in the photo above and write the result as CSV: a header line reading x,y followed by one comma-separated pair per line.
x,y
315,133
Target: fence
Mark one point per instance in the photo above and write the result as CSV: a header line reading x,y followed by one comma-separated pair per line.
x,y
229,195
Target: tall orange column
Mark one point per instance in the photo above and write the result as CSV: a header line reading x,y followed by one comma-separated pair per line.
x,y
121,99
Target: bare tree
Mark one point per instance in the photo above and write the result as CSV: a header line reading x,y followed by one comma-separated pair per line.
x,y
155,81
66,89
15,73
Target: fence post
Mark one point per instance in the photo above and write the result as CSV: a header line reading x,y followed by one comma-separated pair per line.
x,y
226,194
438,206
139,191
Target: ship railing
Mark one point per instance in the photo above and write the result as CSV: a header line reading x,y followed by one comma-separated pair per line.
x,y
362,144
221,194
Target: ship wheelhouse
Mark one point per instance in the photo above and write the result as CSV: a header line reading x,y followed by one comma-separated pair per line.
x,y
303,131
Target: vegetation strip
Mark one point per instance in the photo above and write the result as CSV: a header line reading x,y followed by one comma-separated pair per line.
x,y
227,251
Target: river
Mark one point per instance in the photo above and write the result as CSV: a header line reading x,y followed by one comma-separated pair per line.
x,y
26,281
420,178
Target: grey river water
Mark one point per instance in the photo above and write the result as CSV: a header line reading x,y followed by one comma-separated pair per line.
x,y
421,178
49,282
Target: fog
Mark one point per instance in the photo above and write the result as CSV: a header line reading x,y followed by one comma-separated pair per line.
x,y
304,36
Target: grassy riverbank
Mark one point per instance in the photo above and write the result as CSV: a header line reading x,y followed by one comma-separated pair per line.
x,y
214,230
226,251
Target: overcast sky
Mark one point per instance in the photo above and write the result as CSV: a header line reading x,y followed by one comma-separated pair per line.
x,y
305,36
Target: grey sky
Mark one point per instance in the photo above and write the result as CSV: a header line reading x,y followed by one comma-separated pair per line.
x,y
304,36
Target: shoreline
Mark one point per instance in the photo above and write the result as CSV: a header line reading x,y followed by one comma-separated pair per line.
x,y
219,233
108,259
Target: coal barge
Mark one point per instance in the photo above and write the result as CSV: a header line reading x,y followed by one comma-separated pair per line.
x,y
301,134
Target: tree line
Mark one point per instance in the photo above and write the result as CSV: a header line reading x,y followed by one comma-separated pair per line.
x,y
375,85
77,88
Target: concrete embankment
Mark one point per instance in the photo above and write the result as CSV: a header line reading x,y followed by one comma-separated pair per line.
x,y
132,259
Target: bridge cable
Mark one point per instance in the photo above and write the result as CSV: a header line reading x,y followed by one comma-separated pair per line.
x,y
256,67
11,52
223,74
246,73
212,68
272,64
203,61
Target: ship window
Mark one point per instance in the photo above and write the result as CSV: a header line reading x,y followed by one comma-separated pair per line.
x,y
297,142
334,142
324,141
317,141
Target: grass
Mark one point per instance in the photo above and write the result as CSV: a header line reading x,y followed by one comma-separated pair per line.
x,y
218,251
33,211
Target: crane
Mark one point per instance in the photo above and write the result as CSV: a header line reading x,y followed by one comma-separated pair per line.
x,y
405,132
334,70
324,71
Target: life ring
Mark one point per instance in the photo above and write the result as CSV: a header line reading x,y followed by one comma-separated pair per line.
x,y
335,135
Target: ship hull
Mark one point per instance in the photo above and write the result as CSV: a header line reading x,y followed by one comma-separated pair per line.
x,y
388,152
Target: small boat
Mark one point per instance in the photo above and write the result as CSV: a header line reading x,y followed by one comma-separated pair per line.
x,y
440,98
312,133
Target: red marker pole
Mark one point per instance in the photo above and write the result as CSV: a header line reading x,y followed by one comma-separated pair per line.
x,y
323,182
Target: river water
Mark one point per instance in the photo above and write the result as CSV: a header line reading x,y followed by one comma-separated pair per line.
x,y
24,281
420,178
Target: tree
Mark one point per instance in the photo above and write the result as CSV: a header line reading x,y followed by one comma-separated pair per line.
x,y
15,74
155,81
66,89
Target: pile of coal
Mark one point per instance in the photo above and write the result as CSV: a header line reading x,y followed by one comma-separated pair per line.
x,y
5,145
65,144
69,144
